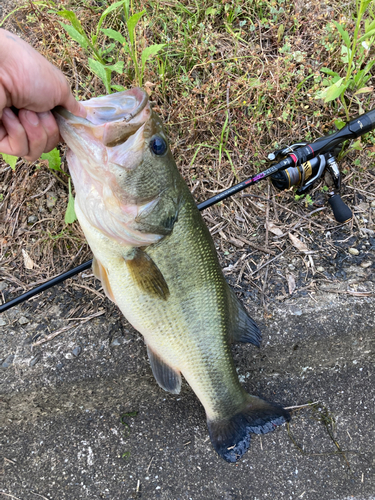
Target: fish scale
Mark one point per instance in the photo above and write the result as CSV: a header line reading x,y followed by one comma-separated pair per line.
x,y
172,291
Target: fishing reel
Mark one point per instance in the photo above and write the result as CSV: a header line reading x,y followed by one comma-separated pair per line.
x,y
305,175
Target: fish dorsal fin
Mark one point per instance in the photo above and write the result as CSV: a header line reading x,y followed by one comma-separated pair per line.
x,y
242,328
168,378
146,274
101,273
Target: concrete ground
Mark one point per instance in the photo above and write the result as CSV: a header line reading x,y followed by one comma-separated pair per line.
x,y
82,416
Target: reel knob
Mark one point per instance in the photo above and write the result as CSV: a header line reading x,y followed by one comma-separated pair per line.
x,y
341,211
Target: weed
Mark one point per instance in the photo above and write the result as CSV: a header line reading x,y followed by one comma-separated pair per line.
x,y
54,163
306,198
70,215
268,53
354,54
10,160
104,58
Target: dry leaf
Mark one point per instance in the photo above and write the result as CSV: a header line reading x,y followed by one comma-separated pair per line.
x,y
291,283
148,87
298,243
274,229
28,262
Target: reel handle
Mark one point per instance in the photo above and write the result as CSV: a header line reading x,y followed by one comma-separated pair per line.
x,y
341,211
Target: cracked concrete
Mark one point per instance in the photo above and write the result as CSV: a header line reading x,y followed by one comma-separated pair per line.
x,y
96,425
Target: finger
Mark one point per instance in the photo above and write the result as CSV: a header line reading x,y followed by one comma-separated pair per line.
x,y
71,104
36,135
3,132
76,108
51,129
4,100
15,141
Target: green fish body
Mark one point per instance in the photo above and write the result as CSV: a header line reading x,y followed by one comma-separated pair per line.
x,y
156,260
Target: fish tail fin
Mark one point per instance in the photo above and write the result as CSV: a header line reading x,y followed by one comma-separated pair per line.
x,y
231,437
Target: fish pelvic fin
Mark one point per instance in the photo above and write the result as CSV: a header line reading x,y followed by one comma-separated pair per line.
x,y
101,273
231,437
168,378
242,328
146,274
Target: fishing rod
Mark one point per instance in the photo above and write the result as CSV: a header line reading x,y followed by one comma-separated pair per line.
x,y
302,165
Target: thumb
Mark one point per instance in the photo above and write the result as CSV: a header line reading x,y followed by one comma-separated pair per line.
x,y
74,106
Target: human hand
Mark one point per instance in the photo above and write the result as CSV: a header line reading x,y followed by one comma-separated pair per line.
x,y
34,86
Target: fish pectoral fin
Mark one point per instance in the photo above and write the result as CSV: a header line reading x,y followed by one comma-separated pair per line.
x,y
101,273
242,328
231,437
146,274
168,378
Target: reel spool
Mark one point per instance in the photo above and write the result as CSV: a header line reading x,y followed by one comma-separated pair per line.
x,y
303,176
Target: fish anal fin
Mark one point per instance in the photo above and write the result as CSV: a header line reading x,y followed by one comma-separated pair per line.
x,y
168,378
146,274
242,328
231,437
101,273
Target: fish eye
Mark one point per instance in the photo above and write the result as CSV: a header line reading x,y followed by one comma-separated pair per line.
x,y
158,145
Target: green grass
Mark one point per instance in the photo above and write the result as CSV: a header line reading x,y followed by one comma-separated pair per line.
x,y
232,80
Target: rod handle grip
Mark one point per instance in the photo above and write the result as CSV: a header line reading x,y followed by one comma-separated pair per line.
x,y
341,211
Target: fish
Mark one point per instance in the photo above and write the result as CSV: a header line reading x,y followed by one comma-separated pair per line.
x,y
157,261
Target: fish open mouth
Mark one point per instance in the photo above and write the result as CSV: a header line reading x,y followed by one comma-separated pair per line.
x,y
112,119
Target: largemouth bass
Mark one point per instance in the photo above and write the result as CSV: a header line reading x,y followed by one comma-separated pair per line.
x,y
156,260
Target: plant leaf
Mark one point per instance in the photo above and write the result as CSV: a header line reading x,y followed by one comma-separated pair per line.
x,y
364,90
339,124
131,24
329,72
297,243
150,51
274,229
369,26
54,160
113,7
118,67
10,160
70,16
346,54
211,11
109,9
75,35
70,214
99,69
357,145
115,35
368,66
366,35
27,260
118,88
343,33
332,92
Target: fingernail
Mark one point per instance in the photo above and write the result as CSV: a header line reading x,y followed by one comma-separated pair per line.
x,y
8,113
32,118
82,111
45,114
